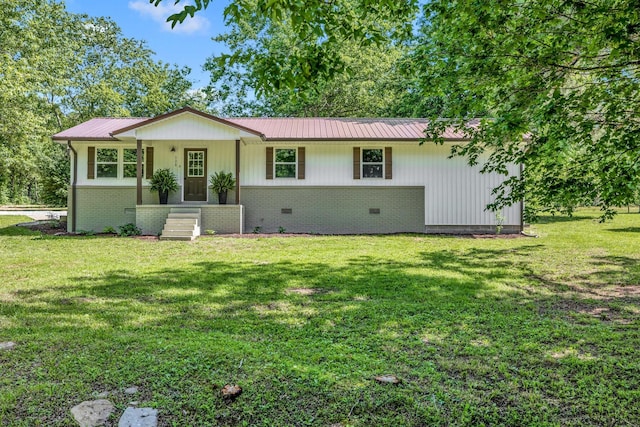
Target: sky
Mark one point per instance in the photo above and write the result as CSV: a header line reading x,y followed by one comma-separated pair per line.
x,y
187,44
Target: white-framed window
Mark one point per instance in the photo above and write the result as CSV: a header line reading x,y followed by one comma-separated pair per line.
x,y
285,162
117,162
130,163
372,163
195,164
106,162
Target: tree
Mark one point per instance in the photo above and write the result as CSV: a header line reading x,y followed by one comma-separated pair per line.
x,y
557,83
319,27
58,69
369,88
22,66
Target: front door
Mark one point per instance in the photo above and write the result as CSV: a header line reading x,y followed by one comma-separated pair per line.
x,y
195,175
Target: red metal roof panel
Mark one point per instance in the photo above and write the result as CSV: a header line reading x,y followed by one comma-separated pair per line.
x,y
333,129
97,129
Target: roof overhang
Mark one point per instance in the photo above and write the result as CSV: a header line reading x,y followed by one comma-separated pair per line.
x,y
131,131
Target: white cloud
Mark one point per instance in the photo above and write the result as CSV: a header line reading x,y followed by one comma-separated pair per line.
x,y
197,24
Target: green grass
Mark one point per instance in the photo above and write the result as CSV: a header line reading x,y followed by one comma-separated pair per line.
x,y
526,331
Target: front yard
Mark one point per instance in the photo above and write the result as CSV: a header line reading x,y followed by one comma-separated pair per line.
x,y
523,331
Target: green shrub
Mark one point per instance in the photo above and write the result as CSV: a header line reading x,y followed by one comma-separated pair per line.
x,y
109,230
129,230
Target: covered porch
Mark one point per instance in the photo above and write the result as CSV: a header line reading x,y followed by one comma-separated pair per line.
x,y
193,146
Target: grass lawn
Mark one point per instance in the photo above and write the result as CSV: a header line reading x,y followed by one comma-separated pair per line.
x,y
524,331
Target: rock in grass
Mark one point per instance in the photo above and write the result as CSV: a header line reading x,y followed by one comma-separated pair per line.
x,y
139,417
388,379
92,413
7,345
231,391
131,390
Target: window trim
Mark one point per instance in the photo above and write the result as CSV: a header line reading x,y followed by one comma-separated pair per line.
x,y
381,163
98,163
134,149
119,163
276,163
203,151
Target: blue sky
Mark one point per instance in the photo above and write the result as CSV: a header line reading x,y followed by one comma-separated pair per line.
x,y
187,44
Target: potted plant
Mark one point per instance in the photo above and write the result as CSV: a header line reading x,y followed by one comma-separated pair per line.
x,y
164,182
221,182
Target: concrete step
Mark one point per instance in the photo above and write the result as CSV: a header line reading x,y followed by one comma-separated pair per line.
x,y
185,238
182,221
184,215
178,233
189,231
182,224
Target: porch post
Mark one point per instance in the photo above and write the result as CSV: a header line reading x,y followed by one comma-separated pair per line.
x,y
139,172
237,171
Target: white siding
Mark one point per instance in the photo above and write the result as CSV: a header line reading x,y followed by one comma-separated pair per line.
x,y
221,155
187,127
455,194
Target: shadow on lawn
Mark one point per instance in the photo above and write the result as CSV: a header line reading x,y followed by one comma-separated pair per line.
x,y
286,293
625,230
552,219
14,230
435,321
293,293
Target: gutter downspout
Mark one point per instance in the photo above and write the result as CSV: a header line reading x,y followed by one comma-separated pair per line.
x,y
73,186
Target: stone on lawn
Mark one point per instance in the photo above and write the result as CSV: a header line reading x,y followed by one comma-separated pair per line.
x,y
7,345
388,379
231,391
131,390
139,417
92,413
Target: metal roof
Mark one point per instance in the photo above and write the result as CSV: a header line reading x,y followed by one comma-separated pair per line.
x,y
341,129
275,129
98,129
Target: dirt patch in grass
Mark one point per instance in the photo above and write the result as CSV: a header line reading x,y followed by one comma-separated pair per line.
x,y
46,227
306,291
572,308
57,228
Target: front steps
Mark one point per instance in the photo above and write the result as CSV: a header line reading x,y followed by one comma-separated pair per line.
x,y
182,224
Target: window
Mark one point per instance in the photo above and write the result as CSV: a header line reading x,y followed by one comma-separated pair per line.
x,y
107,162
115,162
195,164
372,163
130,163
285,162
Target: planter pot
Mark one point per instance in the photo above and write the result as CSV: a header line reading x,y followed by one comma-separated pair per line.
x,y
222,198
164,197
